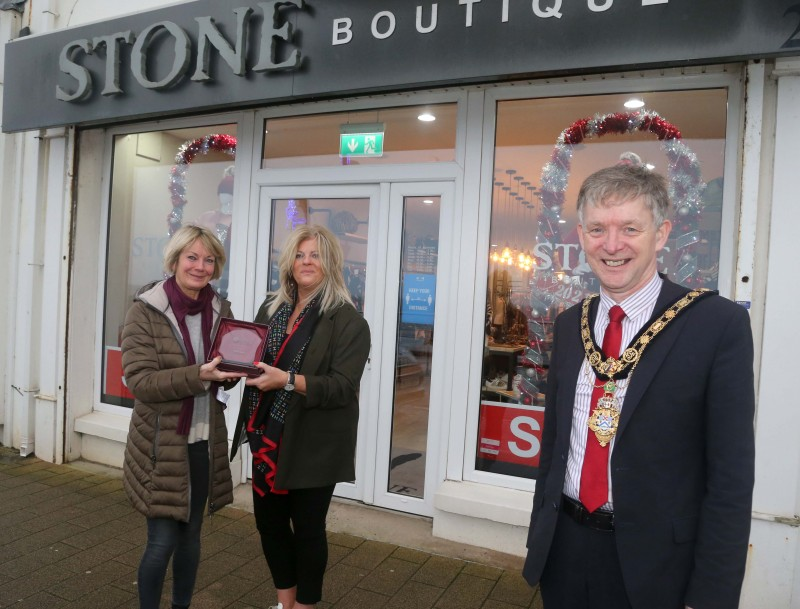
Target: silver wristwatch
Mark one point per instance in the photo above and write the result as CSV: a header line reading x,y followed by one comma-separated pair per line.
x,y
289,386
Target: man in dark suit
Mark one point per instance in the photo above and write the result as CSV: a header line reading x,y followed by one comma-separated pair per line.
x,y
644,495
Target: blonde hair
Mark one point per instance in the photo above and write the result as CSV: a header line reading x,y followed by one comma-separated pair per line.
x,y
183,238
332,291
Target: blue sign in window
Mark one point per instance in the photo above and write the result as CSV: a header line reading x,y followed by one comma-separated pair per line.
x,y
419,298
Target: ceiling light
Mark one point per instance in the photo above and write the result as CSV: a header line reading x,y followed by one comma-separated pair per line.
x,y
427,201
634,103
426,117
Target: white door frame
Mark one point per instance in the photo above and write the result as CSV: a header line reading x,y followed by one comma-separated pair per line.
x,y
436,411
380,308
375,259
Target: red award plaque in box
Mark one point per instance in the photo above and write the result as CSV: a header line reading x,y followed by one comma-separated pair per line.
x,y
240,343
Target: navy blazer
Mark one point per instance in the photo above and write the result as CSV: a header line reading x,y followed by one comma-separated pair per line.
x,y
682,466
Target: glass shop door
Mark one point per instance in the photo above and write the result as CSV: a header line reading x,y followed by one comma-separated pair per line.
x,y
390,234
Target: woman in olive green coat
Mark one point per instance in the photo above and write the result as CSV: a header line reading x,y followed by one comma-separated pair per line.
x,y
301,415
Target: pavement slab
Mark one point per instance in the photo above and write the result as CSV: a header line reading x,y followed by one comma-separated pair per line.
x,y
69,539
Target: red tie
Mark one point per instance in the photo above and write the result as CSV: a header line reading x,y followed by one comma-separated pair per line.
x,y
594,474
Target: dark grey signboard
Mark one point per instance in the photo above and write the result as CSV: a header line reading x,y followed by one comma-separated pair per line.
x,y
217,54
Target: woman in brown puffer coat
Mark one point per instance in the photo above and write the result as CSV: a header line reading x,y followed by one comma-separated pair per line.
x,y
176,454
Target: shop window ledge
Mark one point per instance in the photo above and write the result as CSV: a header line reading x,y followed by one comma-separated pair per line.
x,y
504,505
104,425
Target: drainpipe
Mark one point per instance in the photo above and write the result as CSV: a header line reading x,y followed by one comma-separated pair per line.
x,y
14,392
29,194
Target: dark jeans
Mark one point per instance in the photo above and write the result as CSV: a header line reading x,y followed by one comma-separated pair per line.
x,y
168,538
292,529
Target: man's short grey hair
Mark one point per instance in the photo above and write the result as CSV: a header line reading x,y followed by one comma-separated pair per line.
x,y
622,183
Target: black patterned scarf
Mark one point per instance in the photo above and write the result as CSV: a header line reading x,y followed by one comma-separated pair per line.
x,y
266,412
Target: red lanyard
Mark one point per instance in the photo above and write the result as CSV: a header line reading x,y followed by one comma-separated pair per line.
x,y
286,340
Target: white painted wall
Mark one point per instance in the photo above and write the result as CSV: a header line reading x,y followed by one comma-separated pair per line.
x,y
22,197
79,12
773,578
9,24
35,206
85,306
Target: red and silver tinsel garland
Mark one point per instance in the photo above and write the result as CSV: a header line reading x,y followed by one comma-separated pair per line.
x,y
683,171
177,176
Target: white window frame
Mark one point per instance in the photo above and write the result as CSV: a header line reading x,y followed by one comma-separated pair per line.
x,y
406,175
245,134
461,460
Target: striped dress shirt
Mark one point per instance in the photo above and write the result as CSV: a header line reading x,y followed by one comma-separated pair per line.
x,y
638,309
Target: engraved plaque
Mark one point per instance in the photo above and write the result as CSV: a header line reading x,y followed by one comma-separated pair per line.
x,y
240,343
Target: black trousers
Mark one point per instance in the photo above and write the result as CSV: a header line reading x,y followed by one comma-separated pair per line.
x,y
292,528
582,569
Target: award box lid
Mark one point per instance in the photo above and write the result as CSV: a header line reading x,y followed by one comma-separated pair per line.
x,y
240,343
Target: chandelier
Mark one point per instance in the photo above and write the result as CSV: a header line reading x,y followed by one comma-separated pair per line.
x,y
517,219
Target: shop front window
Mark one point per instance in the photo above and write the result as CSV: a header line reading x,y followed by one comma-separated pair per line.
x,y
411,134
160,180
544,150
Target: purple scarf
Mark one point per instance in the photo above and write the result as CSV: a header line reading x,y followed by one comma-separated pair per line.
x,y
183,305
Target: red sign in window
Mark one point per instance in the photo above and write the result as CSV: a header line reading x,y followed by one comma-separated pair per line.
x,y
510,433
115,379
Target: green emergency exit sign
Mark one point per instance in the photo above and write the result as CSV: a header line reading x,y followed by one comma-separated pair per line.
x,y
361,144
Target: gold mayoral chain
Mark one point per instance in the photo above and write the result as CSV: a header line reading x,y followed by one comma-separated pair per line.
x,y
604,419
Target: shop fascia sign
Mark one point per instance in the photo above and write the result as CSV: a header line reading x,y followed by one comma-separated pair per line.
x,y
210,55
208,36
273,28
384,23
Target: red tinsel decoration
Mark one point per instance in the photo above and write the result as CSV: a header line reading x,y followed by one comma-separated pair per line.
x,y
220,142
686,184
